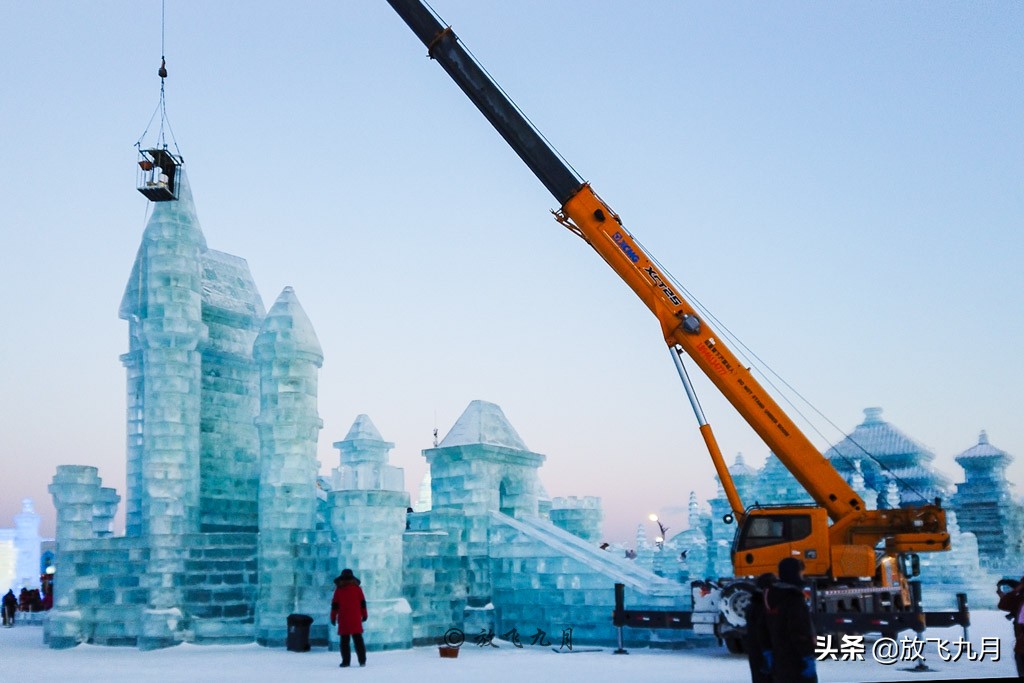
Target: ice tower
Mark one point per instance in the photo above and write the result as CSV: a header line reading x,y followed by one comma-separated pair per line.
x,y
186,567
720,535
163,306
480,466
986,506
26,545
579,515
289,358
368,514
20,551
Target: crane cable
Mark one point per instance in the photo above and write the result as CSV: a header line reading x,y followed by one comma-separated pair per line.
x,y
764,370
161,107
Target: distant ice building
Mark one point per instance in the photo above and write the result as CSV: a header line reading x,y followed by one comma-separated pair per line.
x,y
229,527
986,507
881,452
20,551
889,469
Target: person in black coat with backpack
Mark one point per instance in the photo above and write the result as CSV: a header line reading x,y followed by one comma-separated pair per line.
x,y
790,627
757,641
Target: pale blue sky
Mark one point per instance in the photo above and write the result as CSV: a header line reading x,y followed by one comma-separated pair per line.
x,y
840,182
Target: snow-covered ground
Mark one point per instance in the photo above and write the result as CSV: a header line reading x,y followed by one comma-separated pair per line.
x,y
23,657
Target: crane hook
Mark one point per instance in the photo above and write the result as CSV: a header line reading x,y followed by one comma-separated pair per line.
x,y
163,69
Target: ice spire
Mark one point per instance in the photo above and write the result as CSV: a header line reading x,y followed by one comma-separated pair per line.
x,y
892,495
163,306
289,358
483,423
693,511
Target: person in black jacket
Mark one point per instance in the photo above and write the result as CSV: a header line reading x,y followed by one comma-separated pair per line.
x,y
790,627
756,641
1012,601
10,607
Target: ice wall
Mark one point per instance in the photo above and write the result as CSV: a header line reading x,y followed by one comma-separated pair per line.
x,y
549,579
229,442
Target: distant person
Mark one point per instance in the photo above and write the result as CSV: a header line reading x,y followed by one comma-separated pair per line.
x,y
757,641
790,627
1012,601
348,611
9,604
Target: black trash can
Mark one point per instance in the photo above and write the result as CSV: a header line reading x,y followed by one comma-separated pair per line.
x,y
298,632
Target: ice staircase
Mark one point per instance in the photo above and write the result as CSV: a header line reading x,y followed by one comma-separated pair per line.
x,y
544,577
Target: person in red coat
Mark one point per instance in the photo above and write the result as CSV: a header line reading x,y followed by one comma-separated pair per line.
x,y
348,611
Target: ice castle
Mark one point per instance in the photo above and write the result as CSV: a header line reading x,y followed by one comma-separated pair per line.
x,y
229,527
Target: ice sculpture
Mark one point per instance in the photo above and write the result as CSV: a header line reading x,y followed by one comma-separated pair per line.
x,y
20,551
229,529
986,507
883,450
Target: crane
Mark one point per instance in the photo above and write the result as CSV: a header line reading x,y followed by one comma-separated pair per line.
x,y
844,545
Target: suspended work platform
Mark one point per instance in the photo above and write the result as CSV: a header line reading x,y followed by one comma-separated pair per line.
x,y
158,174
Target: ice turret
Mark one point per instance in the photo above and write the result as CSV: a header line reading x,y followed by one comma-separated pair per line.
x,y
693,543
103,512
289,359
580,516
75,490
368,515
163,306
423,498
480,467
364,460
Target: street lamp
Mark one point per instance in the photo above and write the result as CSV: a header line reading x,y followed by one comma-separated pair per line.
x,y
660,539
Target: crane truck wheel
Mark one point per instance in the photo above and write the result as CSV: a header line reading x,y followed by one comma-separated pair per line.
x,y
734,602
734,645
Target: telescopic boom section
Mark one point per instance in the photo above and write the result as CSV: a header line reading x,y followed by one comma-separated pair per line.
x,y
587,214
443,45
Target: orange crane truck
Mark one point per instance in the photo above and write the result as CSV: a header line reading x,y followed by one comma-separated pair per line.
x,y
860,562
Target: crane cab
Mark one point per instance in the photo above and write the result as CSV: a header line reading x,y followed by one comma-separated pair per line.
x,y
158,174
769,535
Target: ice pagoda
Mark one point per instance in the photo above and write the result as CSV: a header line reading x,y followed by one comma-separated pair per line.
x,y
883,453
986,507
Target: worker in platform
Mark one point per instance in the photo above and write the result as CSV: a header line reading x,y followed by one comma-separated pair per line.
x,y
348,611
